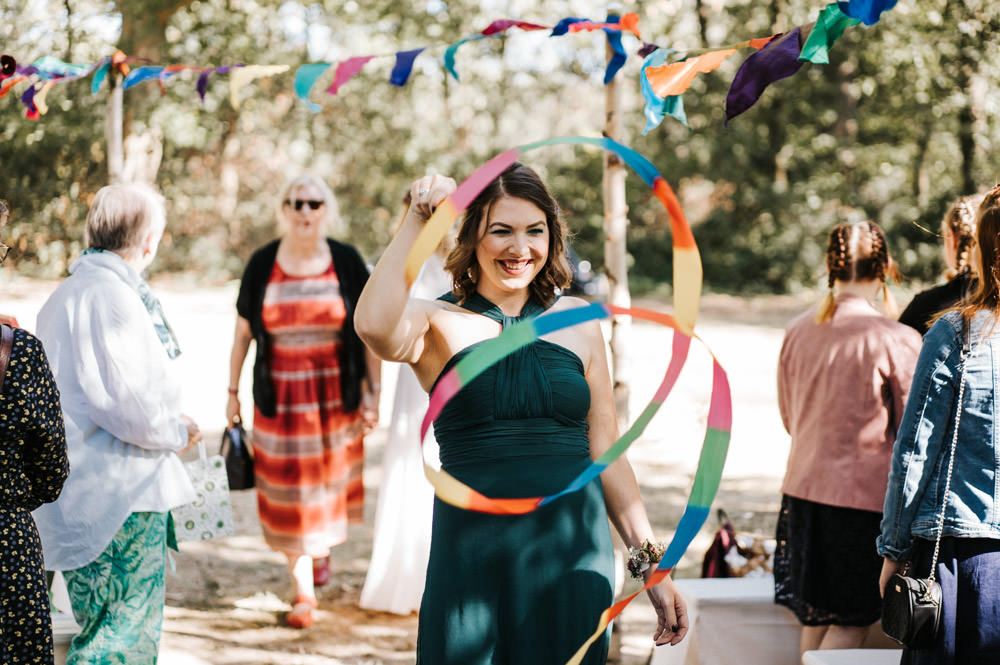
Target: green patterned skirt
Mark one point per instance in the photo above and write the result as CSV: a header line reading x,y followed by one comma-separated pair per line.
x,y
118,598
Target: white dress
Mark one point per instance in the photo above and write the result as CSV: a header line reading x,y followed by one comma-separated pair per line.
x,y
395,580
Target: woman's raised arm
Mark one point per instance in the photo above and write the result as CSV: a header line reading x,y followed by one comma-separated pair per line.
x,y
391,323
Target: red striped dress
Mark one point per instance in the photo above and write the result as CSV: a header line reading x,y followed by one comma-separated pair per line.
x,y
309,457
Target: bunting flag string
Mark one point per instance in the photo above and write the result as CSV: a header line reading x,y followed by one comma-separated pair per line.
x,y
777,60
306,75
687,294
661,80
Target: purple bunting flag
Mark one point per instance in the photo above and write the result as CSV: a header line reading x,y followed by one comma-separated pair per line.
x,y
202,85
777,60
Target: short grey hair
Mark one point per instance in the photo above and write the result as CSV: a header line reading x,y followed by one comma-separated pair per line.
x,y
121,215
332,216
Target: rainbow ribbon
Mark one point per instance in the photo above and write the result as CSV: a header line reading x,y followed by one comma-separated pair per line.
x,y
687,294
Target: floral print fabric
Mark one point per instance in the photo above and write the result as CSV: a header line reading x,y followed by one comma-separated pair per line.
x,y
33,468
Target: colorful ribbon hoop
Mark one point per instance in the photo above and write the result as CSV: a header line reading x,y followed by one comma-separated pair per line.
x,y
687,294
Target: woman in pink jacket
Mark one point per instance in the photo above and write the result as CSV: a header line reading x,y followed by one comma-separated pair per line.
x,y
843,376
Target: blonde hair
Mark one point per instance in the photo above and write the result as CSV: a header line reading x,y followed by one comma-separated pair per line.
x,y
121,216
857,253
332,214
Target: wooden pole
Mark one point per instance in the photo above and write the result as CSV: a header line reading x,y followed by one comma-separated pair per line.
x,y
113,130
615,251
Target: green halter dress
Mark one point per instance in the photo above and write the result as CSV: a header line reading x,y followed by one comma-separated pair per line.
x,y
517,589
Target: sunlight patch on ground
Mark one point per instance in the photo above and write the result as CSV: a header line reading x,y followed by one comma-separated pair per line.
x,y
264,601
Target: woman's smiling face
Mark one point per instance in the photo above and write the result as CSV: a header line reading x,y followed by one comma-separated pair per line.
x,y
513,246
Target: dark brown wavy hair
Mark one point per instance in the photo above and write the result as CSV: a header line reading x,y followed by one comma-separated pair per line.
x,y
518,182
987,295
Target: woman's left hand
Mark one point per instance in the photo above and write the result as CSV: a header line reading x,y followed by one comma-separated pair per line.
x,y
889,568
369,409
671,613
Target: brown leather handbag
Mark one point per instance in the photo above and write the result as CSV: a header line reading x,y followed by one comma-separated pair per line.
x,y
6,346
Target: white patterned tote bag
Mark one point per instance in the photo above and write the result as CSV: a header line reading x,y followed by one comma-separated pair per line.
x,y
210,515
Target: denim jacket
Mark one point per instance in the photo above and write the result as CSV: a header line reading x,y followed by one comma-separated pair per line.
x,y
923,444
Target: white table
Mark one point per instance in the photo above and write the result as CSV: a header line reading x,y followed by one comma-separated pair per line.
x,y
64,628
852,657
735,621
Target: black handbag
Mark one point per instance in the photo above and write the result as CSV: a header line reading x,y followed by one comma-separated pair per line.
x,y
235,450
911,610
911,606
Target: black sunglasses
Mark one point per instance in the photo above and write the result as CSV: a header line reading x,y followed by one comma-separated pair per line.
x,y
313,205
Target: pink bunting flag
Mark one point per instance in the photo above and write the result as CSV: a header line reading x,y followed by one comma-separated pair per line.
x,y
504,24
346,71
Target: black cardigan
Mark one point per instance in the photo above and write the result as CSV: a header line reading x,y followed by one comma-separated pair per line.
x,y
352,273
926,304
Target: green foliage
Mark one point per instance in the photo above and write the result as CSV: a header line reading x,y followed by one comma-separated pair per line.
x,y
897,125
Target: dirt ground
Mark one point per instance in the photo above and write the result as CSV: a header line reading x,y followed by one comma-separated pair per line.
x,y
228,597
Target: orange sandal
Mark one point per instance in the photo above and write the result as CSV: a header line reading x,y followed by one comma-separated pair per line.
x,y
301,614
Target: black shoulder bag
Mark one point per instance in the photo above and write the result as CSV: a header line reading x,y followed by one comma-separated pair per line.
x,y
235,450
911,607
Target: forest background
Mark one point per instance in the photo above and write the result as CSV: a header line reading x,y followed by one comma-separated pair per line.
x,y
902,120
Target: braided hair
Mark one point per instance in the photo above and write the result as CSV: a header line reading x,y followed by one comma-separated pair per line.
x,y
960,222
856,253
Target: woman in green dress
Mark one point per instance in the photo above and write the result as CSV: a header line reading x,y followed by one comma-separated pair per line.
x,y
513,589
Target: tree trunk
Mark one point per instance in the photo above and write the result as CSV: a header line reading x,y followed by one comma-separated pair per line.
x,y
966,64
699,6
143,35
921,178
113,130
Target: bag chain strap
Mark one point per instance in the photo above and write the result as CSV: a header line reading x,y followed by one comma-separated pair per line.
x,y
951,458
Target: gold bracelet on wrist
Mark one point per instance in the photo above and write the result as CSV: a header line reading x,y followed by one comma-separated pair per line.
x,y
642,557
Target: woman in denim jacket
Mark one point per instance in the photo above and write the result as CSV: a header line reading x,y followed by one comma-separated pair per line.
x,y
968,566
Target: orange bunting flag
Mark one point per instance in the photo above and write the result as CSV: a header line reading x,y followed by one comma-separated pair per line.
x,y
675,78
761,42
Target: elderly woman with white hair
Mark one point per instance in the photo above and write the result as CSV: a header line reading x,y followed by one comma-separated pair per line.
x,y
315,387
111,352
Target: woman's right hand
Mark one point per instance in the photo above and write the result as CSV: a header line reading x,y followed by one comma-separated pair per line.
x,y
193,433
427,193
889,568
232,408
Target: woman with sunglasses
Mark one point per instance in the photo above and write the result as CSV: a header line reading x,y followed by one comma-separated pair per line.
x,y
315,387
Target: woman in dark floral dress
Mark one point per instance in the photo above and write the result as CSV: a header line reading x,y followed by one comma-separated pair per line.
x,y
33,467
